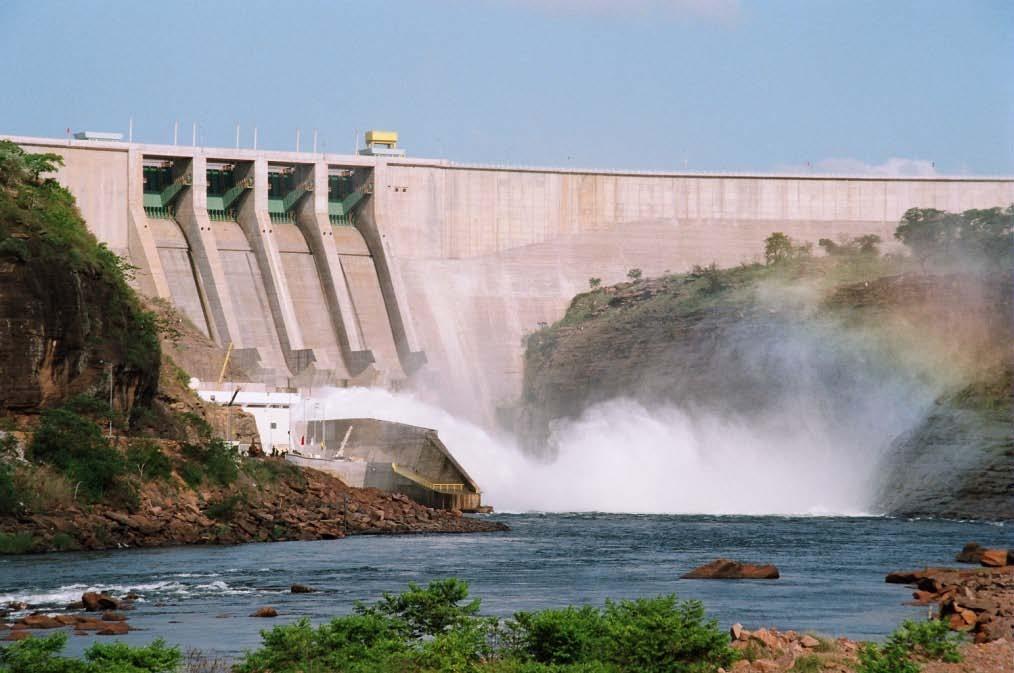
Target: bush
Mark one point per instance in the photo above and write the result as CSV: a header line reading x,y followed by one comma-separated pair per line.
x,y
216,461
565,636
665,635
779,248
984,235
433,628
42,655
76,447
428,610
634,274
225,509
16,543
10,498
925,640
149,461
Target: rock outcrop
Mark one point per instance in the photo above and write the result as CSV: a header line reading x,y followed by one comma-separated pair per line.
x,y
724,569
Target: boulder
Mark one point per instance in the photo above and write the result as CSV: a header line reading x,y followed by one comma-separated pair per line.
x,y
110,616
724,569
301,589
96,602
265,612
994,558
970,553
737,632
40,622
809,642
17,635
113,629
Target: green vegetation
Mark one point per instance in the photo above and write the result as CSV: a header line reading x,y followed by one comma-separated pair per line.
x,y
911,643
861,245
809,663
436,628
779,248
43,655
10,498
40,224
594,282
215,461
16,543
76,447
634,274
225,509
145,457
978,235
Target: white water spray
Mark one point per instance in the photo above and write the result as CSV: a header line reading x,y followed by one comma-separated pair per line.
x,y
623,457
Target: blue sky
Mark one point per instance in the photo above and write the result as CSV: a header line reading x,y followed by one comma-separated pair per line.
x,y
886,86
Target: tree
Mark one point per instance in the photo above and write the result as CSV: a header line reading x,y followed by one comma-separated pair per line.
x,y
977,235
593,282
779,248
634,274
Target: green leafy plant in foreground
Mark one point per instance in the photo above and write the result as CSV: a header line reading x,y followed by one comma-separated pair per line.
x,y
43,655
437,628
910,642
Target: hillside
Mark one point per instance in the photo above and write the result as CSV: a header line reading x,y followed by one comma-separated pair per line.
x,y
872,359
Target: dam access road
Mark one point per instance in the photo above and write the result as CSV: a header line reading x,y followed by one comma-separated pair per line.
x,y
326,269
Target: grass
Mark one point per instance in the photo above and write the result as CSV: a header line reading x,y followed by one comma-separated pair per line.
x,y
809,663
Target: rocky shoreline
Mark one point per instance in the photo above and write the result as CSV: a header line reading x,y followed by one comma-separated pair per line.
x,y
293,504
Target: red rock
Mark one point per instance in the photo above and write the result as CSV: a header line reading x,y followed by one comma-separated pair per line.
x,y
971,553
766,638
96,602
113,629
994,558
724,569
265,612
18,635
301,589
109,616
809,642
40,622
737,632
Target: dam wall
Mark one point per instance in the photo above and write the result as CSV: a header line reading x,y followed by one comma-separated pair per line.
x,y
328,269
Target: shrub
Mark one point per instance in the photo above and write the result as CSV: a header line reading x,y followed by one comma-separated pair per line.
x,y
593,282
76,447
42,655
809,663
216,461
979,234
926,640
565,636
930,639
663,634
149,461
16,543
10,498
64,541
634,274
428,610
192,474
225,509
779,248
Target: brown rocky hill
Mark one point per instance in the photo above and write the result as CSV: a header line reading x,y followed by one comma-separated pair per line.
x,y
843,342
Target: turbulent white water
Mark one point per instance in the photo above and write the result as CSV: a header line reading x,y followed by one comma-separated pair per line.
x,y
623,457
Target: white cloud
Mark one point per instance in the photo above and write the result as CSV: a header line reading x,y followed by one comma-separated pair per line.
x,y
724,10
893,167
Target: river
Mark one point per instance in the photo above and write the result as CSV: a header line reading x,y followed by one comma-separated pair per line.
x,y
201,597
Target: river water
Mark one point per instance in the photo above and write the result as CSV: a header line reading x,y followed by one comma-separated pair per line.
x,y
832,572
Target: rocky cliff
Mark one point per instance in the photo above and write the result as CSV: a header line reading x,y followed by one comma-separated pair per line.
x,y
873,351
68,321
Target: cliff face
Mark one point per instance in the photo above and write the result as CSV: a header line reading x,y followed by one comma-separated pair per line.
x,y
910,362
57,340
68,319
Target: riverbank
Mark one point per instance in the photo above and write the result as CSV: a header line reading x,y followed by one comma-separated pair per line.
x,y
268,500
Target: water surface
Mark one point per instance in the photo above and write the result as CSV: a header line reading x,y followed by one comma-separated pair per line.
x,y
832,572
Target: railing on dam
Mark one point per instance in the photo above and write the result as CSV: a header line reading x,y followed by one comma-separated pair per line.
x,y
423,481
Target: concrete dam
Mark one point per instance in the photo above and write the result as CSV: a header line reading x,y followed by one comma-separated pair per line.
x,y
326,269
